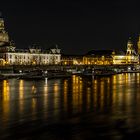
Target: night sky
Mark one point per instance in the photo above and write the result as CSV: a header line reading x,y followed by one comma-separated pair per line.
x,y
77,26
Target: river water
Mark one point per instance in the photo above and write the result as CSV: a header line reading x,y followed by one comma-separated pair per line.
x,y
77,108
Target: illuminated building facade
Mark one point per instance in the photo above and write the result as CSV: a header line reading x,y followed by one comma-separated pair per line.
x,y
72,60
130,57
110,57
32,57
98,57
11,56
105,57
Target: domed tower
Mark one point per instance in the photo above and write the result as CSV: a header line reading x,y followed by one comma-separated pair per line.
x,y
4,38
5,43
130,48
1,24
138,44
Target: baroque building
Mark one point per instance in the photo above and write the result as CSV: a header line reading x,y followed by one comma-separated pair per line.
x,y
9,55
130,57
98,57
107,57
72,59
110,57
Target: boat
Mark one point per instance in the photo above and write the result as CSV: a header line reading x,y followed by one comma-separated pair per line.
x,y
104,72
87,72
74,71
34,75
98,72
41,75
58,74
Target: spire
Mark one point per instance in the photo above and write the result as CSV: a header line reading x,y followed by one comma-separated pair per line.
x,y
130,40
130,48
56,46
129,44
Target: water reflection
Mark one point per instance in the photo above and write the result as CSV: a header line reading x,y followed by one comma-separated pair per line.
x,y
21,89
5,100
109,98
6,94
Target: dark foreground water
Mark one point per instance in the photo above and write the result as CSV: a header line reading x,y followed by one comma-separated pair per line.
x,y
76,108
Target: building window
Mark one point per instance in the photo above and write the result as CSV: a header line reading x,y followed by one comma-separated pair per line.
x,y
10,56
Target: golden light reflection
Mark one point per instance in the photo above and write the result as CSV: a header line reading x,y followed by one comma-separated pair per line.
x,y
6,98
95,91
56,87
75,81
127,78
46,81
34,107
34,90
120,78
138,77
46,86
88,97
65,94
77,92
21,89
102,94
6,93
114,91
114,79
108,91
108,81
45,89
21,95
34,104
56,101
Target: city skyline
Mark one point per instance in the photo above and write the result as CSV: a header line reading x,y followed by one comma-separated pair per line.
x,y
76,27
69,69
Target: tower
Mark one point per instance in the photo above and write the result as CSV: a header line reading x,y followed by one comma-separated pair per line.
x,y
130,48
5,44
1,24
4,38
138,44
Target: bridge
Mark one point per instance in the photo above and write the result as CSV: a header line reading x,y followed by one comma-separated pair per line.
x,y
17,68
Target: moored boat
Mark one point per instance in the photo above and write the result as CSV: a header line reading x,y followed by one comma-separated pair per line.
x,y
40,75
104,72
58,74
34,75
